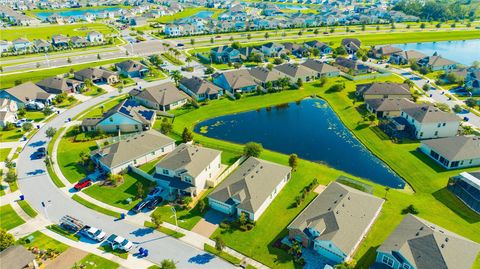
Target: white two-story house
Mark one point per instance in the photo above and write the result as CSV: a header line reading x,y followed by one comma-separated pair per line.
x,y
430,122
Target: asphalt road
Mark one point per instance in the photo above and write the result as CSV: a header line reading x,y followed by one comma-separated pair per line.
x,y
37,187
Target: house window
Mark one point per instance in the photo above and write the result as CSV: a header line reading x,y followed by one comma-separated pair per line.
x,y
118,127
444,124
438,125
421,134
436,133
387,260
134,161
454,164
434,154
406,266
165,171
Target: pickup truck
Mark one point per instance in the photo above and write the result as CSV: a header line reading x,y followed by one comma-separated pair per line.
x,y
118,242
93,233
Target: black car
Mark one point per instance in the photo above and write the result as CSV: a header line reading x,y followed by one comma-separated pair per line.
x,y
138,207
152,203
41,152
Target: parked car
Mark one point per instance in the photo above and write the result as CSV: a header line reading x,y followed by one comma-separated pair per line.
x,y
41,152
82,184
138,207
154,202
20,122
32,105
93,233
71,223
180,45
218,36
155,192
118,242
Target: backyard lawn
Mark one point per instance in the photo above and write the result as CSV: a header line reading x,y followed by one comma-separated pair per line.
x,y
12,135
429,181
47,31
43,242
117,196
92,261
9,219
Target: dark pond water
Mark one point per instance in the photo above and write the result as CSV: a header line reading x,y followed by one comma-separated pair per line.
x,y
309,128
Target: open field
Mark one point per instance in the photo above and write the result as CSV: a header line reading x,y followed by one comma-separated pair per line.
x,y
187,12
429,181
9,219
47,31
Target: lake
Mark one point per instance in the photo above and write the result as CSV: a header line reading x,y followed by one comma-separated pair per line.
x,y
464,52
309,128
78,13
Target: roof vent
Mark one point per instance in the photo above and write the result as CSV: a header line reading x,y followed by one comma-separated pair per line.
x,y
417,234
442,246
421,228
446,239
329,208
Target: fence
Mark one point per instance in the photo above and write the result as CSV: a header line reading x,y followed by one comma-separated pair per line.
x,y
142,173
226,172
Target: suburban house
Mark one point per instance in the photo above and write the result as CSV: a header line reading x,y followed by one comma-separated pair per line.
x,y
188,170
385,51
59,85
128,116
60,40
7,116
430,122
162,97
388,107
95,37
131,68
272,49
296,50
17,257
225,54
378,90
200,89
351,66
132,151
453,152
27,92
296,71
466,186
418,244
322,47
96,75
322,69
436,63
405,57
262,76
41,45
8,111
351,45
21,44
250,188
472,81
235,81
335,222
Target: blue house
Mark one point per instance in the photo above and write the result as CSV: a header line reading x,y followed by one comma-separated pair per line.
x,y
60,41
21,44
466,186
335,222
225,54
131,68
25,93
419,244
235,81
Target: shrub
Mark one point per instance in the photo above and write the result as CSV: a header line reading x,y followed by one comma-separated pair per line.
x,y
410,209
336,88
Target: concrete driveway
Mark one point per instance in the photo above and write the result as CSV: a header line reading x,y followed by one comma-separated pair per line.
x,y
209,223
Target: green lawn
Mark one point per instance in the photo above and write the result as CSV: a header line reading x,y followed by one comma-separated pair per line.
x,y
9,219
432,199
59,230
117,252
117,196
187,12
69,156
27,208
95,207
12,135
36,116
229,258
164,230
46,31
8,80
4,153
56,180
43,242
92,261
103,107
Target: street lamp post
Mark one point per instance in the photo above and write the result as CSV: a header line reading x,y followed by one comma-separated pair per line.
x,y
175,215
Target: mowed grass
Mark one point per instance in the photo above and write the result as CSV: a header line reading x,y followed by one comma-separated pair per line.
x,y
92,261
47,31
43,242
117,196
434,202
12,135
103,107
9,219
27,208
95,207
8,80
187,12
4,153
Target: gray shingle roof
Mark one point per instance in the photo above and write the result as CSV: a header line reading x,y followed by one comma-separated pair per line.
x,y
56,83
411,54
251,183
427,246
456,147
319,67
132,148
94,73
200,86
439,61
191,158
295,71
387,88
163,94
16,257
130,66
430,114
264,75
341,214
390,104
27,92
238,78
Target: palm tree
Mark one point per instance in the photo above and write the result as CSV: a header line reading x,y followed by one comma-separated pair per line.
x,y
176,76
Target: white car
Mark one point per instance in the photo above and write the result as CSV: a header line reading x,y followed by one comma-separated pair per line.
x,y
94,233
118,242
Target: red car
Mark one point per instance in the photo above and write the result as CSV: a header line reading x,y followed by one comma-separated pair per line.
x,y
83,184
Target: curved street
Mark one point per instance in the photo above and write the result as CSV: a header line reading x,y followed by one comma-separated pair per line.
x,y
38,188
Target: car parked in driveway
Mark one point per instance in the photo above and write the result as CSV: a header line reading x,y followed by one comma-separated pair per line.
x,y
154,202
82,184
118,242
155,192
93,233
138,207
